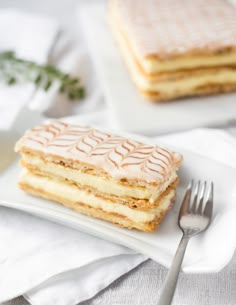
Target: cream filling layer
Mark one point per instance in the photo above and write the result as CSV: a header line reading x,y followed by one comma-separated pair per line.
x,y
75,195
102,184
185,85
154,65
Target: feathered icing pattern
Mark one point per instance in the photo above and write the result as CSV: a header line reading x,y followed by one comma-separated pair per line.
x,y
46,133
115,154
163,27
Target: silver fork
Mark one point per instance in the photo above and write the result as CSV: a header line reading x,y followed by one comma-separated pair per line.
x,y
194,217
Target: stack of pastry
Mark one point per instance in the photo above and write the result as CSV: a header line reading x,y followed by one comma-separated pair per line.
x,y
176,48
99,174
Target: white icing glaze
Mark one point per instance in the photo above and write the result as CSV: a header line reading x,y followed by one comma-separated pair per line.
x,y
167,28
118,156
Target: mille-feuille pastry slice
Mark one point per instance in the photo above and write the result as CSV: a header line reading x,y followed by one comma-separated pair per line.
x,y
99,174
177,48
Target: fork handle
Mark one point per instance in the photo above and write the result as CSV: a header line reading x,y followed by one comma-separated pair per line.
x,y
173,274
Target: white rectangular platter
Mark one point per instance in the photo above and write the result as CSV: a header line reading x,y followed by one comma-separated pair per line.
x,y
131,112
207,252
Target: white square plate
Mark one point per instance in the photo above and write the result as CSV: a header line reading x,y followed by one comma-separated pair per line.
x,y
207,252
130,110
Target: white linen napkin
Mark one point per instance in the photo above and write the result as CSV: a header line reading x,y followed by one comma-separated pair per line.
x,y
28,35
212,143
40,39
52,264
31,37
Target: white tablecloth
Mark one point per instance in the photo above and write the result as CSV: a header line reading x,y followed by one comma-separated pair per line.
x,y
143,284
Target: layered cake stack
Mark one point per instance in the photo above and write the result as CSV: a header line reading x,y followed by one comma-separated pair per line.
x,y
99,174
176,48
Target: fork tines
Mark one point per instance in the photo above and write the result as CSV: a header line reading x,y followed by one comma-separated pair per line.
x,y
198,198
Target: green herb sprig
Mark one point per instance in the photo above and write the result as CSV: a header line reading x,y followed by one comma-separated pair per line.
x,y
15,70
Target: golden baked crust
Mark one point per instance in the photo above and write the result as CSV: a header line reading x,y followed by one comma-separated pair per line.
x,y
82,167
99,213
131,202
208,89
